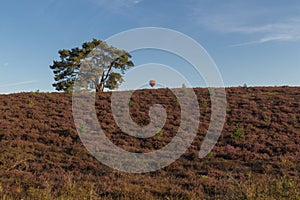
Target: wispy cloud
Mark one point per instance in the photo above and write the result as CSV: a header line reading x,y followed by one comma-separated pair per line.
x,y
17,84
287,30
259,24
262,40
283,31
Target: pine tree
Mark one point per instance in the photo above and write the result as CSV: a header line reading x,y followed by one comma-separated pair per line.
x,y
107,62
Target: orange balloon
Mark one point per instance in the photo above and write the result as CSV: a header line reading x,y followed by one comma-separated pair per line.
x,y
152,83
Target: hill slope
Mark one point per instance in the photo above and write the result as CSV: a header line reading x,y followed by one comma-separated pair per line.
x,y
257,155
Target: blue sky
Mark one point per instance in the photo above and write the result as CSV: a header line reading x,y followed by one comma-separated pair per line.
x,y
254,42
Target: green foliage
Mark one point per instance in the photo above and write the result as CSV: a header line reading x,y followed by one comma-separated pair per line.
x,y
270,188
210,154
47,94
268,120
204,176
83,128
185,92
96,62
238,133
247,88
113,80
130,104
204,105
31,104
159,134
294,119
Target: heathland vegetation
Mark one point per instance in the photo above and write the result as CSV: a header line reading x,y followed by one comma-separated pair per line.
x,y
256,157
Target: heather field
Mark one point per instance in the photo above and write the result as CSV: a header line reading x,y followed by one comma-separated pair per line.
x,y
256,157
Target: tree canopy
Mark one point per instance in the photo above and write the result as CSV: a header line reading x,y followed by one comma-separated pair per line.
x,y
102,66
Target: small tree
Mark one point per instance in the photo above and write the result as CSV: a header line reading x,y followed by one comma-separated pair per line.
x,y
106,65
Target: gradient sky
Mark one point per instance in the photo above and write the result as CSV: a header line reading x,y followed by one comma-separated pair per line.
x,y
254,42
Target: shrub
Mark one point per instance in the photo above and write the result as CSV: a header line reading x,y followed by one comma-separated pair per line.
x,y
238,133
130,104
31,104
159,134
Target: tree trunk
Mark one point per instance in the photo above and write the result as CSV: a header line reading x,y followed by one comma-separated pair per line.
x,y
99,88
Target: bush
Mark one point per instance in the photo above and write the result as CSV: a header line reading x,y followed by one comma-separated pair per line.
x,y
238,133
